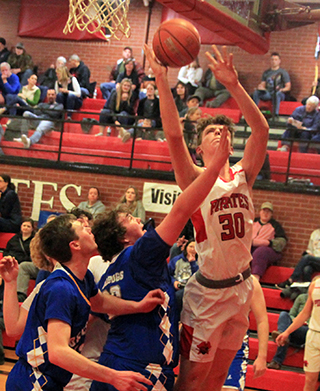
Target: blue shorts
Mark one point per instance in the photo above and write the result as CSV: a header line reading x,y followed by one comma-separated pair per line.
x,y
238,369
153,372
22,378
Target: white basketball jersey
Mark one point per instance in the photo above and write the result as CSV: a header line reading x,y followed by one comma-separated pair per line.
x,y
223,226
314,323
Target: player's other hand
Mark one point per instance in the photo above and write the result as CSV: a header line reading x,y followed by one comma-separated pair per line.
x,y
156,66
259,367
282,339
222,66
130,381
151,300
9,269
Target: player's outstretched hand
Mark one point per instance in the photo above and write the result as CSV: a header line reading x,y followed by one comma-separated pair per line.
x,y
156,66
282,339
9,269
259,367
130,381
151,300
223,150
222,66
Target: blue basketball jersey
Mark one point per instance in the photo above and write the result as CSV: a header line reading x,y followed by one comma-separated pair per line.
x,y
147,339
64,297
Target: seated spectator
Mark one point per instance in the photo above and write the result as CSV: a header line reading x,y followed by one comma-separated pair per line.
x,y
4,52
268,240
9,83
19,245
117,108
186,234
180,94
10,210
297,338
275,80
81,72
308,264
21,63
29,270
143,131
212,88
192,101
29,95
68,91
191,76
149,107
181,268
131,74
132,201
93,204
149,78
303,124
107,88
47,113
189,126
48,79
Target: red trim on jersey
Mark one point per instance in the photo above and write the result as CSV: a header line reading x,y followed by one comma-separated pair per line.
x,y
199,226
186,340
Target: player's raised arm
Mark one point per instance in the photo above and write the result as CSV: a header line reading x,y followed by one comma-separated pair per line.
x,y
254,154
185,170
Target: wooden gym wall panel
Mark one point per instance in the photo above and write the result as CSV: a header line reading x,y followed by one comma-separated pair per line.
x,y
298,213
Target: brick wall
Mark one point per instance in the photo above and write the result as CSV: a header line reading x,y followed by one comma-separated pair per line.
x,y
296,47
298,213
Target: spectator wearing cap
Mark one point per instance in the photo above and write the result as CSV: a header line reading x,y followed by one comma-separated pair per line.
x,y
191,75
9,82
268,240
81,72
4,52
212,88
21,63
303,124
107,88
192,101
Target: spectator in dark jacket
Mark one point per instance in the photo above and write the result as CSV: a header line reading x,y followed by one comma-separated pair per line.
x,y
81,72
10,210
19,245
149,106
4,52
131,74
21,63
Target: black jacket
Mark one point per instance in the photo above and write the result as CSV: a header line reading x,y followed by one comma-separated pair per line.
x,y
19,248
10,207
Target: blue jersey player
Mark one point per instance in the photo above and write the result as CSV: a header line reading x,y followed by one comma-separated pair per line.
x,y
147,343
54,318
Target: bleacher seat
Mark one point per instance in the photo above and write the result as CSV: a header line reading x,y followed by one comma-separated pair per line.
x,y
4,238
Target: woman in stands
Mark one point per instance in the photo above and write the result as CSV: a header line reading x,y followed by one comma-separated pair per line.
x,y
29,95
132,200
120,103
191,76
68,90
93,204
10,210
180,94
131,74
19,245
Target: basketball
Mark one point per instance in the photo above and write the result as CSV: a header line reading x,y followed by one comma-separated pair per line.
x,y
176,43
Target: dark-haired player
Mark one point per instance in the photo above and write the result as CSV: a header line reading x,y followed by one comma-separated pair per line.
x,y
54,317
217,297
148,343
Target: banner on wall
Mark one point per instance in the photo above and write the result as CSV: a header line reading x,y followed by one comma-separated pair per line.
x,y
159,197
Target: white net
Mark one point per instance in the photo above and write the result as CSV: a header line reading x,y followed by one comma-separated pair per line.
x,y
97,15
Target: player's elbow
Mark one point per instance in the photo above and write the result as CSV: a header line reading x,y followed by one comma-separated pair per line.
x,y
56,355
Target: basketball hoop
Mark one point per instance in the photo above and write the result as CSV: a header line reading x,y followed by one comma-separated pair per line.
x,y
94,15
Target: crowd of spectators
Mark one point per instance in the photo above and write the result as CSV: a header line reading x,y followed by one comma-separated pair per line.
x,y
21,91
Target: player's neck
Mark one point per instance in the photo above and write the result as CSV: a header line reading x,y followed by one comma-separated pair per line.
x,y
79,265
225,172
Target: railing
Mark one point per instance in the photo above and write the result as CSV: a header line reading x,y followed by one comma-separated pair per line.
x,y
288,168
